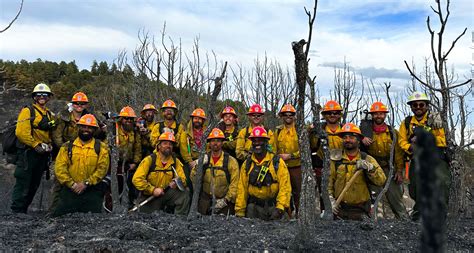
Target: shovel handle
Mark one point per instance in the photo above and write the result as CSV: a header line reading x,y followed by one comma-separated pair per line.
x,y
346,187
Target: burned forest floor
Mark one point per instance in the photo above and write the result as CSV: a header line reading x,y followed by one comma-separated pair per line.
x,y
165,232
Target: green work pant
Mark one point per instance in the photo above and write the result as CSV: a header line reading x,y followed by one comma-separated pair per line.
x,y
173,197
394,196
445,178
70,202
28,173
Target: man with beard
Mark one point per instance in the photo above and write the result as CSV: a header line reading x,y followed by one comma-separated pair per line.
x,y
80,167
191,141
154,178
128,142
33,130
169,124
229,126
145,125
379,147
423,119
355,204
264,188
287,147
331,113
67,130
220,178
244,144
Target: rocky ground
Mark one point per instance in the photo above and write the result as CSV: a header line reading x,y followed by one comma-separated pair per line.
x,y
163,232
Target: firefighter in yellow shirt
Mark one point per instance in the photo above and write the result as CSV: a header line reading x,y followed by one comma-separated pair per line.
x,y
128,141
170,123
244,144
287,147
154,177
220,178
33,130
229,126
379,147
355,203
145,125
264,189
331,112
423,118
80,167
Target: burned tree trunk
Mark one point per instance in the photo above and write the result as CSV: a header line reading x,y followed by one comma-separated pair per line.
x,y
432,206
114,158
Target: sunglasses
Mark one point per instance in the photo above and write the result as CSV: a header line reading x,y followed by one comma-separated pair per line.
x,y
256,115
128,118
79,103
333,113
418,105
45,95
288,115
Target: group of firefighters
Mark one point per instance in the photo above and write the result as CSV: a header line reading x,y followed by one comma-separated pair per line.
x,y
250,172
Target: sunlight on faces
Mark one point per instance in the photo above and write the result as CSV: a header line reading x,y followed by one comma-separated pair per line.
x,y
379,117
79,106
229,119
332,117
419,108
350,141
165,147
256,119
216,144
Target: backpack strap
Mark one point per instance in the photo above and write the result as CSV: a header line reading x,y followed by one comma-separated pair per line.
x,y
390,131
153,163
69,146
247,134
225,167
407,125
276,163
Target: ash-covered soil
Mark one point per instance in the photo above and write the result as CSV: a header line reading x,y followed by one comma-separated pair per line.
x,y
163,232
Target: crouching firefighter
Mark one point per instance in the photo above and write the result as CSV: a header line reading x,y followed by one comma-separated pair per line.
x,y
264,188
33,130
350,175
220,178
161,180
80,167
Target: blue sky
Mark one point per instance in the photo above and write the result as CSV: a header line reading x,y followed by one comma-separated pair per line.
x,y
374,36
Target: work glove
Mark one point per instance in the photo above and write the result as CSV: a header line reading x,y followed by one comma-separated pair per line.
x,y
434,120
220,203
277,214
335,209
43,148
365,165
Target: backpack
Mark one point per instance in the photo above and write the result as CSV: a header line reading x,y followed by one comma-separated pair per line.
x,y
225,167
69,145
10,142
257,172
276,163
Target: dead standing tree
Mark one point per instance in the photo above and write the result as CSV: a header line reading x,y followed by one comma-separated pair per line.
x,y
308,192
445,88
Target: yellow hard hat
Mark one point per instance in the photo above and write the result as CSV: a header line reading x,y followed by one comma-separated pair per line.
x,y
41,88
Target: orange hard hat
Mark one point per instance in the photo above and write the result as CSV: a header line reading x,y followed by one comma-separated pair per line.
x,y
198,112
88,120
378,107
228,110
128,112
216,133
350,128
287,108
149,107
80,97
255,109
169,104
332,105
167,136
259,132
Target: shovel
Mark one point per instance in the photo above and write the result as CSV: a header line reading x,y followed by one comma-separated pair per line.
x,y
179,184
346,187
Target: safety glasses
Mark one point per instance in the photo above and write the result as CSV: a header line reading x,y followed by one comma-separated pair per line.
x,y
417,105
333,113
256,115
288,115
45,95
79,103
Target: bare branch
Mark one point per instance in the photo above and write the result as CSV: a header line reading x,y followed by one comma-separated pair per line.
x,y
14,19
